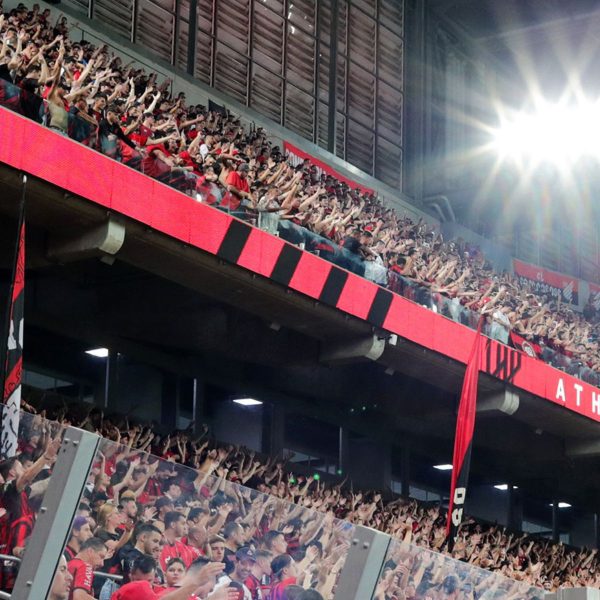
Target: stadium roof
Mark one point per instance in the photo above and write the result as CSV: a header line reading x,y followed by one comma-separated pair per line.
x,y
549,35
493,20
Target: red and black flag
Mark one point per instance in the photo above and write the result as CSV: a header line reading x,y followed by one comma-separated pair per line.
x,y
463,441
13,367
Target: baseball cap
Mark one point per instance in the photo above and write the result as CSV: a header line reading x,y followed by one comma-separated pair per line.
x,y
245,553
135,590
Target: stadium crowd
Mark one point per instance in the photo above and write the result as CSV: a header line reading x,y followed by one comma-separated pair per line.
x,y
184,523
87,93
265,532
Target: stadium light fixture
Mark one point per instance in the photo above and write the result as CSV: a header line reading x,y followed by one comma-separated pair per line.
x,y
443,467
98,352
553,133
503,487
563,505
247,401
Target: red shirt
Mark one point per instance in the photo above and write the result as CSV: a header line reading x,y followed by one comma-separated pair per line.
x,y
230,200
257,590
241,184
142,135
278,589
152,165
83,576
136,590
186,553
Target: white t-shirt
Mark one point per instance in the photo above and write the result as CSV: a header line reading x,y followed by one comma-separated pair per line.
x,y
225,580
500,328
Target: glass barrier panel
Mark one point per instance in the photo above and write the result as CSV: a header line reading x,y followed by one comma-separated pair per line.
x,y
413,573
161,521
25,478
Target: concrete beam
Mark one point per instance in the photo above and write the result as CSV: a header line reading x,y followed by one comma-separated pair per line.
x,y
103,240
358,350
505,401
586,448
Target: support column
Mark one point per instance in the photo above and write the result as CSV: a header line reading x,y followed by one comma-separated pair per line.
x,y
169,401
199,405
416,113
555,522
52,527
110,380
405,471
273,430
192,30
344,451
514,509
332,109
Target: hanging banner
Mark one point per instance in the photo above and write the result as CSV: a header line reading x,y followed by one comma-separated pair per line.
x,y
595,295
544,281
13,368
296,156
463,440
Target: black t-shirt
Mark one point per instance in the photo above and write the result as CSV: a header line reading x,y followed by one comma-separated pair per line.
x,y
229,560
106,128
5,73
127,556
351,244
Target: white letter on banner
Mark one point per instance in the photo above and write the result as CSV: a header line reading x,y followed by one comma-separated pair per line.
x,y
459,499
560,391
596,403
578,389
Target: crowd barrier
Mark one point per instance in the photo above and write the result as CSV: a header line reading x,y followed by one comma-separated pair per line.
x,y
346,562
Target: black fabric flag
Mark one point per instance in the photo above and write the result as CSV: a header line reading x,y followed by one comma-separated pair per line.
x,y
13,367
463,441
216,108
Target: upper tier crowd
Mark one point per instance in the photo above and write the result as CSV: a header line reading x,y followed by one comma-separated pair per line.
x,y
87,93
266,532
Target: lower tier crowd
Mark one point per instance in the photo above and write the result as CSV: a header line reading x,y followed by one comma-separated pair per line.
x,y
153,524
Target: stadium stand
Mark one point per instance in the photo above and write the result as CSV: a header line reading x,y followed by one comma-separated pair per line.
x,y
129,489
84,92
130,524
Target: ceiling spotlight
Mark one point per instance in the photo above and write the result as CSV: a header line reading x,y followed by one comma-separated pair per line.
x,y
503,487
98,352
443,467
247,401
563,505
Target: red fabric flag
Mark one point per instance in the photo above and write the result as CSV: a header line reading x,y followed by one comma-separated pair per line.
x,y
13,367
463,441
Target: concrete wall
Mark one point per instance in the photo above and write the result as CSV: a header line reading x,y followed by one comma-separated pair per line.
x,y
238,424
138,390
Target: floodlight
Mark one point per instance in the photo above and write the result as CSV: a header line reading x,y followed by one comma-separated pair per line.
x,y
443,467
553,133
98,352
